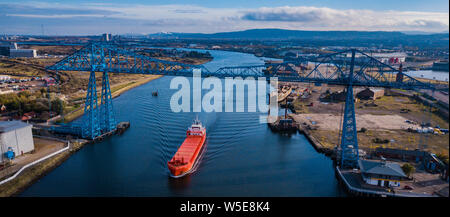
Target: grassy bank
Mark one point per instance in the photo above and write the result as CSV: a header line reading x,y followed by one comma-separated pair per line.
x,y
116,91
35,172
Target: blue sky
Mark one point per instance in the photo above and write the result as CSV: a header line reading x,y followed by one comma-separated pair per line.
x,y
137,16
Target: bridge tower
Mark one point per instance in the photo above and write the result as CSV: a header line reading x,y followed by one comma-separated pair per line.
x,y
349,140
107,119
91,110
100,118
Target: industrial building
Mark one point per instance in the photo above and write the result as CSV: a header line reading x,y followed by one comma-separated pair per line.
x,y
22,53
381,173
106,37
440,66
4,50
11,50
15,135
5,77
6,47
370,93
387,58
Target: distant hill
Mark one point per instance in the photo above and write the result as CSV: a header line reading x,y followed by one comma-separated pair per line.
x,y
323,38
256,34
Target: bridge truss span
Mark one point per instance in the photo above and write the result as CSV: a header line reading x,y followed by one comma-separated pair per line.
x,y
348,68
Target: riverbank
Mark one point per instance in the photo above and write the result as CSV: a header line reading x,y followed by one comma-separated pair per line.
x,y
120,88
116,91
33,173
318,146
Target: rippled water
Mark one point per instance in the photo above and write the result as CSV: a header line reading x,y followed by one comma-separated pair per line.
x,y
242,156
435,75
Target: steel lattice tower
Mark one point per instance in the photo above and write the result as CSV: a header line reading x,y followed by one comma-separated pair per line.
x,y
100,117
349,139
107,120
91,110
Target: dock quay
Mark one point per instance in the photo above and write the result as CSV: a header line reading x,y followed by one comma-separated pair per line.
x,y
65,131
121,127
16,178
286,125
354,185
315,142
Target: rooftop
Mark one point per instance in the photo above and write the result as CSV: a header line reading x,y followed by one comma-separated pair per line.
x,y
373,89
6,126
381,168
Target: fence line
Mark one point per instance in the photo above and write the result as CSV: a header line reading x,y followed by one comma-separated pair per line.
x,y
35,162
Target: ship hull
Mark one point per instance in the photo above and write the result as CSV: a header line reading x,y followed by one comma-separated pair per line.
x,y
194,166
192,148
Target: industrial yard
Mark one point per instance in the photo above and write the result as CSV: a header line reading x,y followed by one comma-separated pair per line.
x,y
390,125
392,118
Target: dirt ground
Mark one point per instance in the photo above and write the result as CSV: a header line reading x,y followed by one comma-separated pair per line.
x,y
384,121
368,121
42,148
426,183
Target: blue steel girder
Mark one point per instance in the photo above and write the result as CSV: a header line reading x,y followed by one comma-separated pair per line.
x,y
338,68
107,118
329,68
349,139
91,123
115,59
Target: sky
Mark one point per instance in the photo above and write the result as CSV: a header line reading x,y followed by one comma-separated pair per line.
x,y
80,17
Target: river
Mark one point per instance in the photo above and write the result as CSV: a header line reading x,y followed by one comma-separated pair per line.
x,y
242,157
429,74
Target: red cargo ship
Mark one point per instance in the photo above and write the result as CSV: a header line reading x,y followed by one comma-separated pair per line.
x,y
187,156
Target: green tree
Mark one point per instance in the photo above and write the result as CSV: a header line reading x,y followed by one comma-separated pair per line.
x,y
408,169
57,105
43,91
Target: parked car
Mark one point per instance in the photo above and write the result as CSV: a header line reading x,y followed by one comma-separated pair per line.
x,y
407,187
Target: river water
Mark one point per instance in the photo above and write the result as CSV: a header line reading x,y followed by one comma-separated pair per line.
x,y
242,157
429,74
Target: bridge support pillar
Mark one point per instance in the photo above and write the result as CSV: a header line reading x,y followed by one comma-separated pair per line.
x,y
349,139
91,110
107,119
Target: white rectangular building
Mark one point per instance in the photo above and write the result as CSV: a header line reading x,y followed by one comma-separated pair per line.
x,y
382,173
17,135
22,53
5,77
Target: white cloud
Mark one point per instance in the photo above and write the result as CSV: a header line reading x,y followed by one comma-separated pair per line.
x,y
191,18
317,18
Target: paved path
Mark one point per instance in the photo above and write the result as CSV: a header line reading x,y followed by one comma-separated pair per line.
x,y
43,147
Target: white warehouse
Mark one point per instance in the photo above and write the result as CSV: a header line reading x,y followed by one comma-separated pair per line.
x,y
22,53
17,135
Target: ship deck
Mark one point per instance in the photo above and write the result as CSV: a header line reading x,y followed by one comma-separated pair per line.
x,y
188,148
